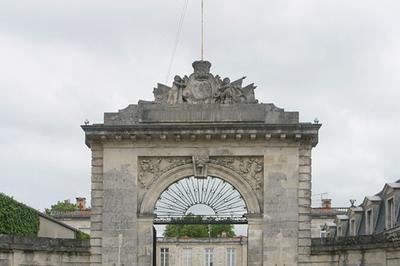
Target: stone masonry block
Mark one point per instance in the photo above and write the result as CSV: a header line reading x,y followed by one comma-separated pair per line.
x,y
305,185
304,169
97,154
304,201
97,162
97,202
97,193
95,241
95,259
97,185
305,152
304,160
305,226
96,234
97,170
97,177
304,210
96,210
305,250
304,193
304,233
96,218
304,177
95,250
96,226
304,218
304,242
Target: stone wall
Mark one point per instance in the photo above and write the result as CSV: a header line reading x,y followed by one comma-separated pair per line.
x,y
15,251
371,250
49,228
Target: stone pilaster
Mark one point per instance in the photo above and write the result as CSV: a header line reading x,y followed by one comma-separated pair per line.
x,y
304,192
255,240
145,241
97,204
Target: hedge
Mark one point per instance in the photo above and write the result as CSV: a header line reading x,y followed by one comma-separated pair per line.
x,y
16,218
81,235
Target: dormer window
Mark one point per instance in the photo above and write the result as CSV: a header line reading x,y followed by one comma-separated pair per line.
x,y
339,234
389,213
352,227
369,222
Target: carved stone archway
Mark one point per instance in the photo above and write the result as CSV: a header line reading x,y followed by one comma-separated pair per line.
x,y
201,126
162,182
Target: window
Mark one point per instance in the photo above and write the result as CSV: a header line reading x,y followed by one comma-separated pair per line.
x,y
164,257
230,254
352,227
389,213
339,231
209,257
368,222
187,257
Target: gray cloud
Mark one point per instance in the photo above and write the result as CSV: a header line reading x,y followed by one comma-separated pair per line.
x,y
64,61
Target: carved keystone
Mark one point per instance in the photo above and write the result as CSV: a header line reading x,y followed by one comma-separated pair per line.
x,y
200,165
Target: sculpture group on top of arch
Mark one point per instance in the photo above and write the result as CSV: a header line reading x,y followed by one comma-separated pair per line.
x,y
202,87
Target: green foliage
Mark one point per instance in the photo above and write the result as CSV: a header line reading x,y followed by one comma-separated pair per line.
x,y
16,218
61,206
190,226
81,235
217,230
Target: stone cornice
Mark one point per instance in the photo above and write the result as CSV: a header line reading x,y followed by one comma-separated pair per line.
x,y
302,132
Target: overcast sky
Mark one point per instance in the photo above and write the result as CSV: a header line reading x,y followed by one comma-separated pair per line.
x,y
64,61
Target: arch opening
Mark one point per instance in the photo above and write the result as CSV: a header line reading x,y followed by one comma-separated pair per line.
x,y
213,199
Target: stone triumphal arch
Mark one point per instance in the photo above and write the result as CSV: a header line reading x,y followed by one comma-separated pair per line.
x,y
201,127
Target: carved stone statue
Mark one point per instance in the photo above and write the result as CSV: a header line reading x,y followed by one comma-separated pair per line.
x,y
175,93
229,93
202,87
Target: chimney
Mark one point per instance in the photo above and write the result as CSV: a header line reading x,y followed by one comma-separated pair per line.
x,y
326,203
81,203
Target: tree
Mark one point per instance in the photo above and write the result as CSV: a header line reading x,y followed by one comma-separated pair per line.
x,y
61,206
216,230
191,226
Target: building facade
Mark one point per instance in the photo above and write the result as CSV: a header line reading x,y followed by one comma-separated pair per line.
x,y
202,251
79,218
377,214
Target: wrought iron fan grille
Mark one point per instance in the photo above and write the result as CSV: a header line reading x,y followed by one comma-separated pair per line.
x,y
219,200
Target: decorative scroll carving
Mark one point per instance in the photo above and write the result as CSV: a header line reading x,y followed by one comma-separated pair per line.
x,y
250,168
203,87
150,168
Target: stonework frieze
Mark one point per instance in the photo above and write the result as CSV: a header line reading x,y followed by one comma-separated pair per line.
x,y
250,168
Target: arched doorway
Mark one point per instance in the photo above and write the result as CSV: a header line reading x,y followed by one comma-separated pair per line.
x,y
198,219
221,198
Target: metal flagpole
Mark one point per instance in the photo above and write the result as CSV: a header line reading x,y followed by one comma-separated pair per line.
x,y
202,30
